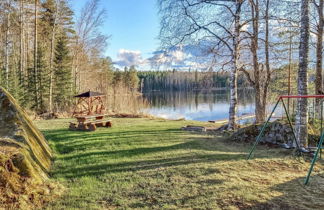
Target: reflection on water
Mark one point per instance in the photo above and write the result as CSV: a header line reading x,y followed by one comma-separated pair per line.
x,y
197,105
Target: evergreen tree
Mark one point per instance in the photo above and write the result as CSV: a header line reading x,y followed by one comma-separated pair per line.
x,y
133,81
118,79
42,78
108,70
62,73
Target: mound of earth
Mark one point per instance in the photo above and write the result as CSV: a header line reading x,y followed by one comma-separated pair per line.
x,y
25,158
277,132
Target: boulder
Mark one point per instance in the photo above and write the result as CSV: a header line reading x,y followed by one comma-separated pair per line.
x,y
25,156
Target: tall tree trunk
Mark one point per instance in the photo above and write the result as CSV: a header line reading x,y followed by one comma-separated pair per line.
x,y
21,51
26,48
259,103
52,60
7,44
35,56
301,117
289,70
267,60
27,61
319,59
233,76
51,77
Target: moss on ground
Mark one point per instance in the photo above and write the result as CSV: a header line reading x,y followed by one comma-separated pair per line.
x,y
16,125
152,164
25,158
17,189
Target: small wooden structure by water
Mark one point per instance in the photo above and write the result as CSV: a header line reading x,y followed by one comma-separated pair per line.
x,y
89,103
89,112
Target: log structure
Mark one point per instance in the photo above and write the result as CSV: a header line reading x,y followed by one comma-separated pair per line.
x,y
89,112
89,103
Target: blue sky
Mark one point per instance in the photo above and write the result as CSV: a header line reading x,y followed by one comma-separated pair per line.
x,y
132,24
134,28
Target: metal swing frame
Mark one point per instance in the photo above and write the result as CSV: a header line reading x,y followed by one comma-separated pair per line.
x,y
321,140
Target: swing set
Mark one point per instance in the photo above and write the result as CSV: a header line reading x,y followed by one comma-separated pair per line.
x,y
321,139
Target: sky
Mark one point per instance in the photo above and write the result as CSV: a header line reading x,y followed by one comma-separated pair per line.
x,y
133,26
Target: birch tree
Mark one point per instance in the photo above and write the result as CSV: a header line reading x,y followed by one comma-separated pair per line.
x,y
302,115
257,68
88,39
184,21
319,52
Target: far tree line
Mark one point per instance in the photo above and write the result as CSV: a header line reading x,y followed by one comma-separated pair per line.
x,y
174,80
188,80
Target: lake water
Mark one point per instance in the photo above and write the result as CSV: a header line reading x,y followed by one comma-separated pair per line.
x,y
197,105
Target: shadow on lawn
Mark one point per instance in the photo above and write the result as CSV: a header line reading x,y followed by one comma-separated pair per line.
x,y
95,169
89,163
129,152
66,136
98,169
68,141
295,195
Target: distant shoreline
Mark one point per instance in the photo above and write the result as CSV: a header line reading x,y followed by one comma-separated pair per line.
x,y
210,89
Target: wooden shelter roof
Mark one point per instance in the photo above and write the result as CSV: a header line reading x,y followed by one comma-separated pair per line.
x,y
89,94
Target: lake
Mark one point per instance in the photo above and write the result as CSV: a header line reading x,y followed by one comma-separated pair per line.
x,y
197,105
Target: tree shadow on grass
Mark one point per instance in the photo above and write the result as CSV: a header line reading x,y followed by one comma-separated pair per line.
x,y
68,141
296,195
93,166
128,152
66,136
89,153
99,169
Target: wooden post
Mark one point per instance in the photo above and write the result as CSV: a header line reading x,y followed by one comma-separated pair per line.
x,y
89,103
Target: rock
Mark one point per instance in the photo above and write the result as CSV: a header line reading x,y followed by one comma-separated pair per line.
x,y
285,146
277,132
268,139
279,138
194,128
222,128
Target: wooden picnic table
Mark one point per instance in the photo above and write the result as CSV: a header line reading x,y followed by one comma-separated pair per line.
x,y
82,119
90,122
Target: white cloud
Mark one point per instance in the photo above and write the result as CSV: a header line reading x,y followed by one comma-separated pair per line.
x,y
181,58
129,58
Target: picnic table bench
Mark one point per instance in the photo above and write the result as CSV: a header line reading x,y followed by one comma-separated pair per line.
x,y
90,122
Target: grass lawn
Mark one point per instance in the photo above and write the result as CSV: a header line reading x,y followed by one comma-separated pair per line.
x,y
145,164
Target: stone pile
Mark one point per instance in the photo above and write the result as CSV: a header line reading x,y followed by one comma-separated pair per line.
x,y
277,132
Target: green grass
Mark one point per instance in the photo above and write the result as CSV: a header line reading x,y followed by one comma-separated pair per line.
x,y
147,164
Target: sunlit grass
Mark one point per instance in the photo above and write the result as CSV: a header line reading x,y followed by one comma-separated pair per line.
x,y
146,163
